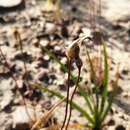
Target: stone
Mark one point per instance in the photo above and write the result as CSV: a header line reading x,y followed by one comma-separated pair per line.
x,y
50,28
10,3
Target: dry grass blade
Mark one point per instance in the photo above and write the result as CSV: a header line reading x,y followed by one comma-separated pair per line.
x,y
46,116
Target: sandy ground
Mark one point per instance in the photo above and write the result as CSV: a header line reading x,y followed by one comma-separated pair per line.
x,y
37,29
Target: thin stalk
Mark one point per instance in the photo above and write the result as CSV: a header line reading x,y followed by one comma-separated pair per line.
x,y
19,41
70,113
92,72
105,80
100,8
93,18
68,89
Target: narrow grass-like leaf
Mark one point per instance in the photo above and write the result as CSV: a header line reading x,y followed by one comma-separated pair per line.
x,y
110,100
106,70
105,80
91,67
92,73
74,105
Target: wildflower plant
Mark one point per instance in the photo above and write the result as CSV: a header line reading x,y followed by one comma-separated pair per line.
x,y
98,100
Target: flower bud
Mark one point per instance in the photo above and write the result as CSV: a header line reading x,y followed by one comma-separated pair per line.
x,y
72,51
78,63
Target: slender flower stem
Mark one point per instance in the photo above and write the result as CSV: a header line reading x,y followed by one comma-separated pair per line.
x,y
70,112
100,8
68,89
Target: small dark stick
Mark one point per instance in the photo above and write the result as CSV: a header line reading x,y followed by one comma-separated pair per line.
x,y
19,41
68,89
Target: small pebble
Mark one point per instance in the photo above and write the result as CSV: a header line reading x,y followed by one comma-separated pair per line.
x,y
120,127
